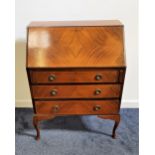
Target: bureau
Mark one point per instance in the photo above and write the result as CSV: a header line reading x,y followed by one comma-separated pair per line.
x,y
76,68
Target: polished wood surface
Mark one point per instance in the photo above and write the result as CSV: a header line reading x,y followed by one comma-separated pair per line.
x,y
77,107
76,91
75,23
54,47
76,68
85,76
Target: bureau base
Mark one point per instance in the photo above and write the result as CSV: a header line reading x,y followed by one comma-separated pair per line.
x,y
38,118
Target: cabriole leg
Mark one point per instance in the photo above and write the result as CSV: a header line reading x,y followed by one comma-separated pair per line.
x,y
116,118
36,126
37,119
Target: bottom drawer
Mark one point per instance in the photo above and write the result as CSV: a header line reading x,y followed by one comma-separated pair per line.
x,y
77,107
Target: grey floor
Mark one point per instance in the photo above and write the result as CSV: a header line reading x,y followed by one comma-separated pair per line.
x,y
77,135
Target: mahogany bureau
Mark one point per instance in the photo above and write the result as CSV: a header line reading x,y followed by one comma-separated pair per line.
x,y
76,68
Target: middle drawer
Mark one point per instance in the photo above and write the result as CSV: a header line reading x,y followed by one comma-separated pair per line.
x,y
75,91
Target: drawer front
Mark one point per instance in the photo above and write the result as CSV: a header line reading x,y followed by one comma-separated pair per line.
x,y
76,91
101,76
77,107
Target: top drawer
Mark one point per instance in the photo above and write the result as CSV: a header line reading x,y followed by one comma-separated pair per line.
x,y
95,76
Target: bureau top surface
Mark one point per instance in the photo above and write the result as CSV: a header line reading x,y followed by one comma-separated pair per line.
x,y
75,44
75,23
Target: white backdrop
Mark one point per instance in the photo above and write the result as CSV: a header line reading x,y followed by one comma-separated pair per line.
x,y
124,10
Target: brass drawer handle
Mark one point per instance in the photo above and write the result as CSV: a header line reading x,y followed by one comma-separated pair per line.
x,y
98,77
98,91
51,77
54,92
97,107
56,108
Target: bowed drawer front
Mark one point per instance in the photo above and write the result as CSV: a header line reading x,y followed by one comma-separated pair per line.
x,y
76,68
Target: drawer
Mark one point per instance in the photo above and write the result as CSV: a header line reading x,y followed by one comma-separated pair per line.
x,y
100,76
75,91
77,107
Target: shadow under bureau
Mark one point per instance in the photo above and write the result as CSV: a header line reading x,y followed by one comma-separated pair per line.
x,y
76,68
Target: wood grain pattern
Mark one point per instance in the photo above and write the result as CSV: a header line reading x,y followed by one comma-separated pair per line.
x,y
57,47
76,91
85,76
77,107
63,59
75,23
